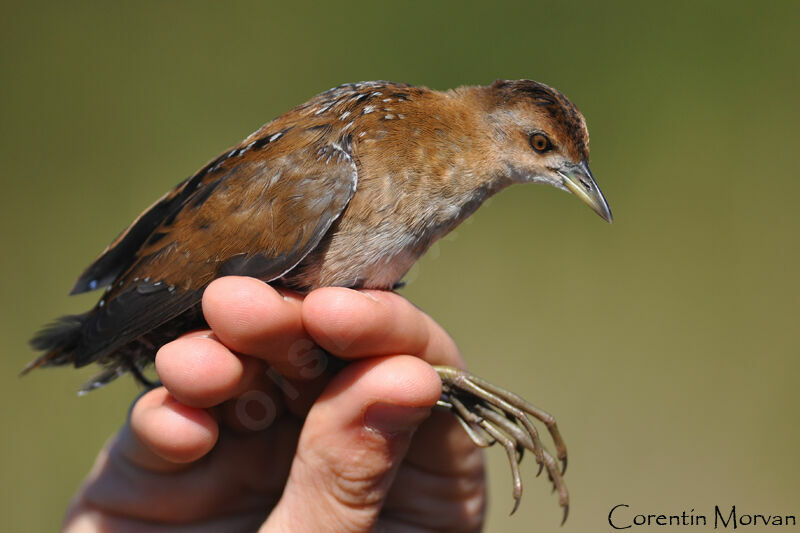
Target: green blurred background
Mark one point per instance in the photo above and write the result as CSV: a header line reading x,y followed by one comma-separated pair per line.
x,y
666,344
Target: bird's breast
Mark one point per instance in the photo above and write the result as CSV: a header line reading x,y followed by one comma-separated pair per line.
x,y
417,179
357,256
383,232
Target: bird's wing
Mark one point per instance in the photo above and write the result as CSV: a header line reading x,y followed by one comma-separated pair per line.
x,y
245,214
122,251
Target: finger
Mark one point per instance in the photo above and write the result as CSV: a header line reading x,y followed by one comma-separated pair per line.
x,y
355,324
83,518
360,323
250,317
443,477
352,442
199,371
163,434
244,474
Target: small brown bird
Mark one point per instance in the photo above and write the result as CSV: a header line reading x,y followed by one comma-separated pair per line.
x,y
349,190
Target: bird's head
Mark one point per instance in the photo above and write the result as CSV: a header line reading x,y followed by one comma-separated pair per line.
x,y
541,137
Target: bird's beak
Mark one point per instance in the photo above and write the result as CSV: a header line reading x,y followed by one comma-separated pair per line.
x,y
579,181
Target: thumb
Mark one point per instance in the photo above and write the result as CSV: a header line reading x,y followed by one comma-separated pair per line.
x,y
352,442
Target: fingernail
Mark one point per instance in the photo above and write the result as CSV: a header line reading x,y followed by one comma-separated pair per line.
x,y
394,419
207,334
280,293
368,295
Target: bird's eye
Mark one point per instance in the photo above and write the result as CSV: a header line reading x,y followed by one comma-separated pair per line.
x,y
541,143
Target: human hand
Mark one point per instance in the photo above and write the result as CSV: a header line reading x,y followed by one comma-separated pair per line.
x,y
249,429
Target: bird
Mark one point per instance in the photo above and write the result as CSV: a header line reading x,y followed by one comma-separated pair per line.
x,y
348,190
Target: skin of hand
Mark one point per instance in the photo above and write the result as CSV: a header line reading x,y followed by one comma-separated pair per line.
x,y
251,429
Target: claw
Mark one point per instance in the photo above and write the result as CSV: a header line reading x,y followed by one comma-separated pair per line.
x,y
489,414
516,505
521,403
566,514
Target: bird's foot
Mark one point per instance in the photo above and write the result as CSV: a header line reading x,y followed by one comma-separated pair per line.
x,y
490,414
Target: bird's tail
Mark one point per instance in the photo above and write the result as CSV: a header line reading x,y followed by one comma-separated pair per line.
x,y
62,344
59,341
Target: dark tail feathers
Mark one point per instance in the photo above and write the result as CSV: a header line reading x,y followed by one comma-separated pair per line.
x,y
59,341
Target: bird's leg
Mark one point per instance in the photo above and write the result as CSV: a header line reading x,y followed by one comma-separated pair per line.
x,y
137,373
519,435
464,383
490,414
